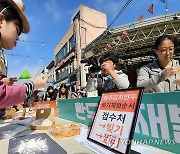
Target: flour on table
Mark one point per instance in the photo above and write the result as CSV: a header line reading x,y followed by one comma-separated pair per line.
x,y
32,146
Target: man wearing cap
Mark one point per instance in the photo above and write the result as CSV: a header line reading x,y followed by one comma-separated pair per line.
x,y
12,23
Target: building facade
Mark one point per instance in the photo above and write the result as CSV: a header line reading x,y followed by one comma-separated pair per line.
x,y
50,75
87,24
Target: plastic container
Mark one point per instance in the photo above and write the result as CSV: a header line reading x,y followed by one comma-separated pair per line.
x,y
64,130
41,124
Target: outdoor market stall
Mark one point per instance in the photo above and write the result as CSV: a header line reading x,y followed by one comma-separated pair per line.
x,y
156,128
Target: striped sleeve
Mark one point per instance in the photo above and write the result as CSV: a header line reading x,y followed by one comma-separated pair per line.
x,y
29,88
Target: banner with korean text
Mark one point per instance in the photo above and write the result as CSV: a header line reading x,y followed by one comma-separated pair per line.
x,y
81,110
158,121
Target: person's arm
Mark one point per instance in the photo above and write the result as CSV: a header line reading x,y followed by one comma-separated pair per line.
x,y
12,95
145,80
9,81
121,80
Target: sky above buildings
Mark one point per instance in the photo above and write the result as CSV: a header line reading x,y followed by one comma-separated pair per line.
x,y
50,19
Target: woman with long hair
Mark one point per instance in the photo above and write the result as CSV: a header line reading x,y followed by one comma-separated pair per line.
x,y
63,92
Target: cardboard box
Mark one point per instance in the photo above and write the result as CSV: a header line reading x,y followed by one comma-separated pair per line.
x,y
47,104
44,119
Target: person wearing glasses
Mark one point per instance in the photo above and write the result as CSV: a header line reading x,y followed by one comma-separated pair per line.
x,y
161,74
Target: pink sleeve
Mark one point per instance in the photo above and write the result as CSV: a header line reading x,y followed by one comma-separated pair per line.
x,y
11,95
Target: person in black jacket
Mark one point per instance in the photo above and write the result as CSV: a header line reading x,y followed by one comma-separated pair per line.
x,y
51,94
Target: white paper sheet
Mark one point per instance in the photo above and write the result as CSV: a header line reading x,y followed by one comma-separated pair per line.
x,y
82,138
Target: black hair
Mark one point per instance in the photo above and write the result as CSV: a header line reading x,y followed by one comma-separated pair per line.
x,y
11,14
66,91
63,86
161,38
165,37
92,69
108,56
50,87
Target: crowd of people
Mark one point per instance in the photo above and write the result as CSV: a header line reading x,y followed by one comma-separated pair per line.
x,y
53,94
158,76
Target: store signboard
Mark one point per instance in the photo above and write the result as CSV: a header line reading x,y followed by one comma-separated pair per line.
x,y
64,60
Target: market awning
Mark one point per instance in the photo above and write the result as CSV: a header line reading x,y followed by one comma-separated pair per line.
x,y
133,42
